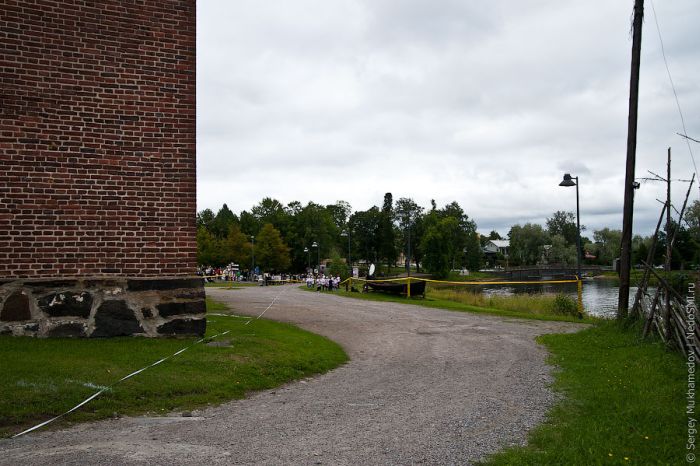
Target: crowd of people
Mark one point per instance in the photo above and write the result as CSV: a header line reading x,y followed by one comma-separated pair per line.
x,y
322,283
232,273
228,273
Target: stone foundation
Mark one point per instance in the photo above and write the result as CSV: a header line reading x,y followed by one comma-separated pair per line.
x,y
102,307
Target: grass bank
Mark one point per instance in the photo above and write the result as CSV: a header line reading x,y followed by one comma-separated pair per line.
x,y
43,378
520,306
474,275
230,285
541,303
624,403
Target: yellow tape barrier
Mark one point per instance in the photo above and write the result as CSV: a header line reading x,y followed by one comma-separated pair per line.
x,y
427,280
462,283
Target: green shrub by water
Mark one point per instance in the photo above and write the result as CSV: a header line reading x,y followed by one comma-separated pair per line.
x,y
564,305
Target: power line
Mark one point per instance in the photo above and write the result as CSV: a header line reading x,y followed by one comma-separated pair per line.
x,y
673,87
687,137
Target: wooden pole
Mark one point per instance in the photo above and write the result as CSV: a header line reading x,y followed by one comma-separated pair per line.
x,y
628,208
645,280
680,214
669,250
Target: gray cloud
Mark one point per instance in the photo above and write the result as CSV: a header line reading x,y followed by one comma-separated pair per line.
x,y
487,104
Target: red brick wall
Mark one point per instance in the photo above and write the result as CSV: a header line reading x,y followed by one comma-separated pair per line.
x,y
97,138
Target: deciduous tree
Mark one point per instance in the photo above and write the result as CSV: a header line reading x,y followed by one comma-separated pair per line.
x,y
564,224
437,248
408,217
270,251
526,243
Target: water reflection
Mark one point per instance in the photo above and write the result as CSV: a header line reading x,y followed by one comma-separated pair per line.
x,y
599,296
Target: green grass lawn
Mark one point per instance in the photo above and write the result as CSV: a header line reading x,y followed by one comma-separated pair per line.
x,y
624,403
42,378
527,312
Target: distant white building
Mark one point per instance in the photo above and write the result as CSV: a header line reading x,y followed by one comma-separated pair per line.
x,y
496,246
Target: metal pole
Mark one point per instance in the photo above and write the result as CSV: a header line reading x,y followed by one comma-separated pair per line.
x,y
409,252
578,235
408,286
252,270
579,284
628,208
315,245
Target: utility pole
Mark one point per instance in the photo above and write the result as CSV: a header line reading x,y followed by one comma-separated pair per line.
x,y
669,249
628,208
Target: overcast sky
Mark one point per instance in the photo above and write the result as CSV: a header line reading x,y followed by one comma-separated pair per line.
x,y
485,103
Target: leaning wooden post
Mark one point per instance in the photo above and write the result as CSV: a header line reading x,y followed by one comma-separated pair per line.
x,y
642,285
665,284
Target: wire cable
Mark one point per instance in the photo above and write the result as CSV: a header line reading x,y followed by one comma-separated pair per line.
x,y
673,87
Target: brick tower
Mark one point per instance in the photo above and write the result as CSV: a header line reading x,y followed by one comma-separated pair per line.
x,y
97,168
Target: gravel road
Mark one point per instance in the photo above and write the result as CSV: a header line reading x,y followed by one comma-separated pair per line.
x,y
422,386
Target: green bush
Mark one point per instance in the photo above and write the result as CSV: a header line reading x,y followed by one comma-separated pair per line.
x,y
565,305
337,266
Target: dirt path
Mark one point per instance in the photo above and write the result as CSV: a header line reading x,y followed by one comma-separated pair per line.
x,y
422,386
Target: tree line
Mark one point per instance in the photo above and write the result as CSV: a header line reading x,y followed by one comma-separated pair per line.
x,y
556,243
293,237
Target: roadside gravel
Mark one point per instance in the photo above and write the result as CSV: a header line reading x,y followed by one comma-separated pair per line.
x,y
422,386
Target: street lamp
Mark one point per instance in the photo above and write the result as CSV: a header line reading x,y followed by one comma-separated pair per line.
x,y
308,254
315,245
252,269
344,234
567,182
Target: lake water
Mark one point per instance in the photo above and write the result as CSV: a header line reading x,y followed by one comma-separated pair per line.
x,y
599,296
